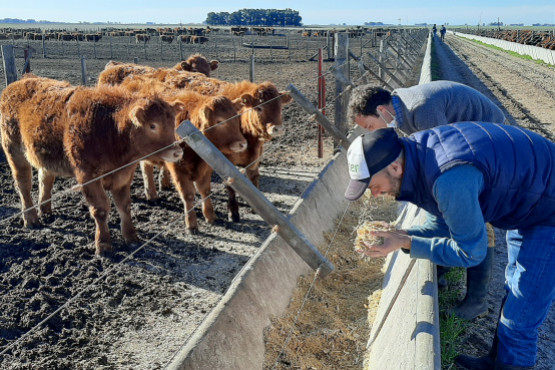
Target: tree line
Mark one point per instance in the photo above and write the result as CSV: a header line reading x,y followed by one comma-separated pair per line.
x,y
255,17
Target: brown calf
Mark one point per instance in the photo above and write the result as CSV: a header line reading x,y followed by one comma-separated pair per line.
x,y
261,117
197,63
216,117
81,132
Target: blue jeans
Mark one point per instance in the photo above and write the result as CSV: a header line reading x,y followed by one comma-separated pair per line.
x,y
530,283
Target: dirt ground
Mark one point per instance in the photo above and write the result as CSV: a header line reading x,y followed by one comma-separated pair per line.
x,y
64,308
61,307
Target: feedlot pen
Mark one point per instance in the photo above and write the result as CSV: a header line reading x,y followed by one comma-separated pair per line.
x,y
62,307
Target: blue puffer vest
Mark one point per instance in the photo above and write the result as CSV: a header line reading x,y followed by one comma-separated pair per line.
x,y
518,167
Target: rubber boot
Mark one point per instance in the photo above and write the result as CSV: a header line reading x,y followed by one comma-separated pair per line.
x,y
441,281
486,362
478,279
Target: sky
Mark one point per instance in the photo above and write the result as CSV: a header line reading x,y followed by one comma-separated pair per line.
x,y
321,12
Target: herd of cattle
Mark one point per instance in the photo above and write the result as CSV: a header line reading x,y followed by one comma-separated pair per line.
x,y
544,39
97,134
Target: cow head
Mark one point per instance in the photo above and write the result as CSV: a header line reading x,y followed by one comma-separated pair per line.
x,y
154,123
265,109
221,124
198,63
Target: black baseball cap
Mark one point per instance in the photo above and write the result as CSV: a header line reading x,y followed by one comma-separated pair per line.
x,y
368,154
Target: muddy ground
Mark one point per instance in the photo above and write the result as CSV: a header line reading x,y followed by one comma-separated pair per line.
x,y
64,308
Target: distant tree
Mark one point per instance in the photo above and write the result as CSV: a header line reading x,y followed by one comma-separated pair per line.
x,y
255,17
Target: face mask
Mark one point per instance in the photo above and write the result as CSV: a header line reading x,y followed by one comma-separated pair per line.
x,y
392,123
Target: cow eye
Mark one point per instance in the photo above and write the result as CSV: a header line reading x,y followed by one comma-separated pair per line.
x,y
153,126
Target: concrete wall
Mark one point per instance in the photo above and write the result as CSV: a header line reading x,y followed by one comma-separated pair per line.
x,y
409,334
232,335
536,52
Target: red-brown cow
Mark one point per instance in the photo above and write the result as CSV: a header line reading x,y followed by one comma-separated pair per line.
x,y
216,117
260,122
81,132
197,63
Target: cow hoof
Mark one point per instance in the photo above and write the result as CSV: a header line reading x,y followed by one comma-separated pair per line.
x,y
193,231
104,250
234,217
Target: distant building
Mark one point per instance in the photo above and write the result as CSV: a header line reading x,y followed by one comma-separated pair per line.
x,y
498,24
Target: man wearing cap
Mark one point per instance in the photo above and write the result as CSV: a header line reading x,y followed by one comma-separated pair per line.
x,y
469,173
422,107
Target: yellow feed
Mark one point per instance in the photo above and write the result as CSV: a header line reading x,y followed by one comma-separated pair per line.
x,y
364,237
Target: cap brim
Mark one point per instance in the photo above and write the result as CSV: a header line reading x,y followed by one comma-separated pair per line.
x,y
356,189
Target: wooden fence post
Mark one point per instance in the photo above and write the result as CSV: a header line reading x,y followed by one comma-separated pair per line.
x,y
251,69
10,70
262,206
342,99
83,71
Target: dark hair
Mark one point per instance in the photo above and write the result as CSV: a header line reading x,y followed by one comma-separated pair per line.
x,y
365,99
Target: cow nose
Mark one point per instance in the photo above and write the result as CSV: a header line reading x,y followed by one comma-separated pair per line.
x,y
238,146
275,130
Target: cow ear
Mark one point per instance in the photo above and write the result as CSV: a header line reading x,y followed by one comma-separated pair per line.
x,y
285,97
177,107
238,103
213,64
137,115
186,66
248,100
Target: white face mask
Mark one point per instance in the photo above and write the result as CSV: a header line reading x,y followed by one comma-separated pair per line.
x,y
392,123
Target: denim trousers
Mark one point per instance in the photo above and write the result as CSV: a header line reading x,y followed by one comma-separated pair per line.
x,y
530,285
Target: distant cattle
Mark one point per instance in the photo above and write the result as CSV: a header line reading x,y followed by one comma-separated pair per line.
x,y
142,37
199,39
197,63
86,133
93,37
167,38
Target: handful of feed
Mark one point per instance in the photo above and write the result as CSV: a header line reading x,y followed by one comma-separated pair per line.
x,y
364,238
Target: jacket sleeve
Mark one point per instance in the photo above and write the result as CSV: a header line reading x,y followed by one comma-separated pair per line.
x,y
457,193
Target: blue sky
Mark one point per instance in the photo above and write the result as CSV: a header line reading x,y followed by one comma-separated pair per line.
x,y
351,12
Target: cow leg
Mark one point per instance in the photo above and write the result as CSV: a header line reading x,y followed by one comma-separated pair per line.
x,y
46,182
254,175
186,190
99,207
22,173
164,178
147,169
203,187
122,200
232,205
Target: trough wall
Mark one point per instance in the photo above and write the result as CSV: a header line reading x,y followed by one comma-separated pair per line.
x,y
536,52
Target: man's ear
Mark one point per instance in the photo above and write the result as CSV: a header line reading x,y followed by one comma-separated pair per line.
x,y
396,169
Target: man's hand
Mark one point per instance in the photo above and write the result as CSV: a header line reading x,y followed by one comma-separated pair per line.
x,y
393,240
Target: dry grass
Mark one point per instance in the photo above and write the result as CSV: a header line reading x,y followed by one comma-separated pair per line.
x,y
328,327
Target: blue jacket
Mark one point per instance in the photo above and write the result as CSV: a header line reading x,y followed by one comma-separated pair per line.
x,y
518,167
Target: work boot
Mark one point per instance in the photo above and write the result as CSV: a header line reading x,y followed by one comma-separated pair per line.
x,y
476,363
478,278
441,281
500,366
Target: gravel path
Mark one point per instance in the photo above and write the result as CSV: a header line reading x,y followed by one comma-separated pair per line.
x,y
525,91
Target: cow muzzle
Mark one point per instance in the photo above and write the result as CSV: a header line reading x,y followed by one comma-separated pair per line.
x,y
275,130
172,154
238,146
